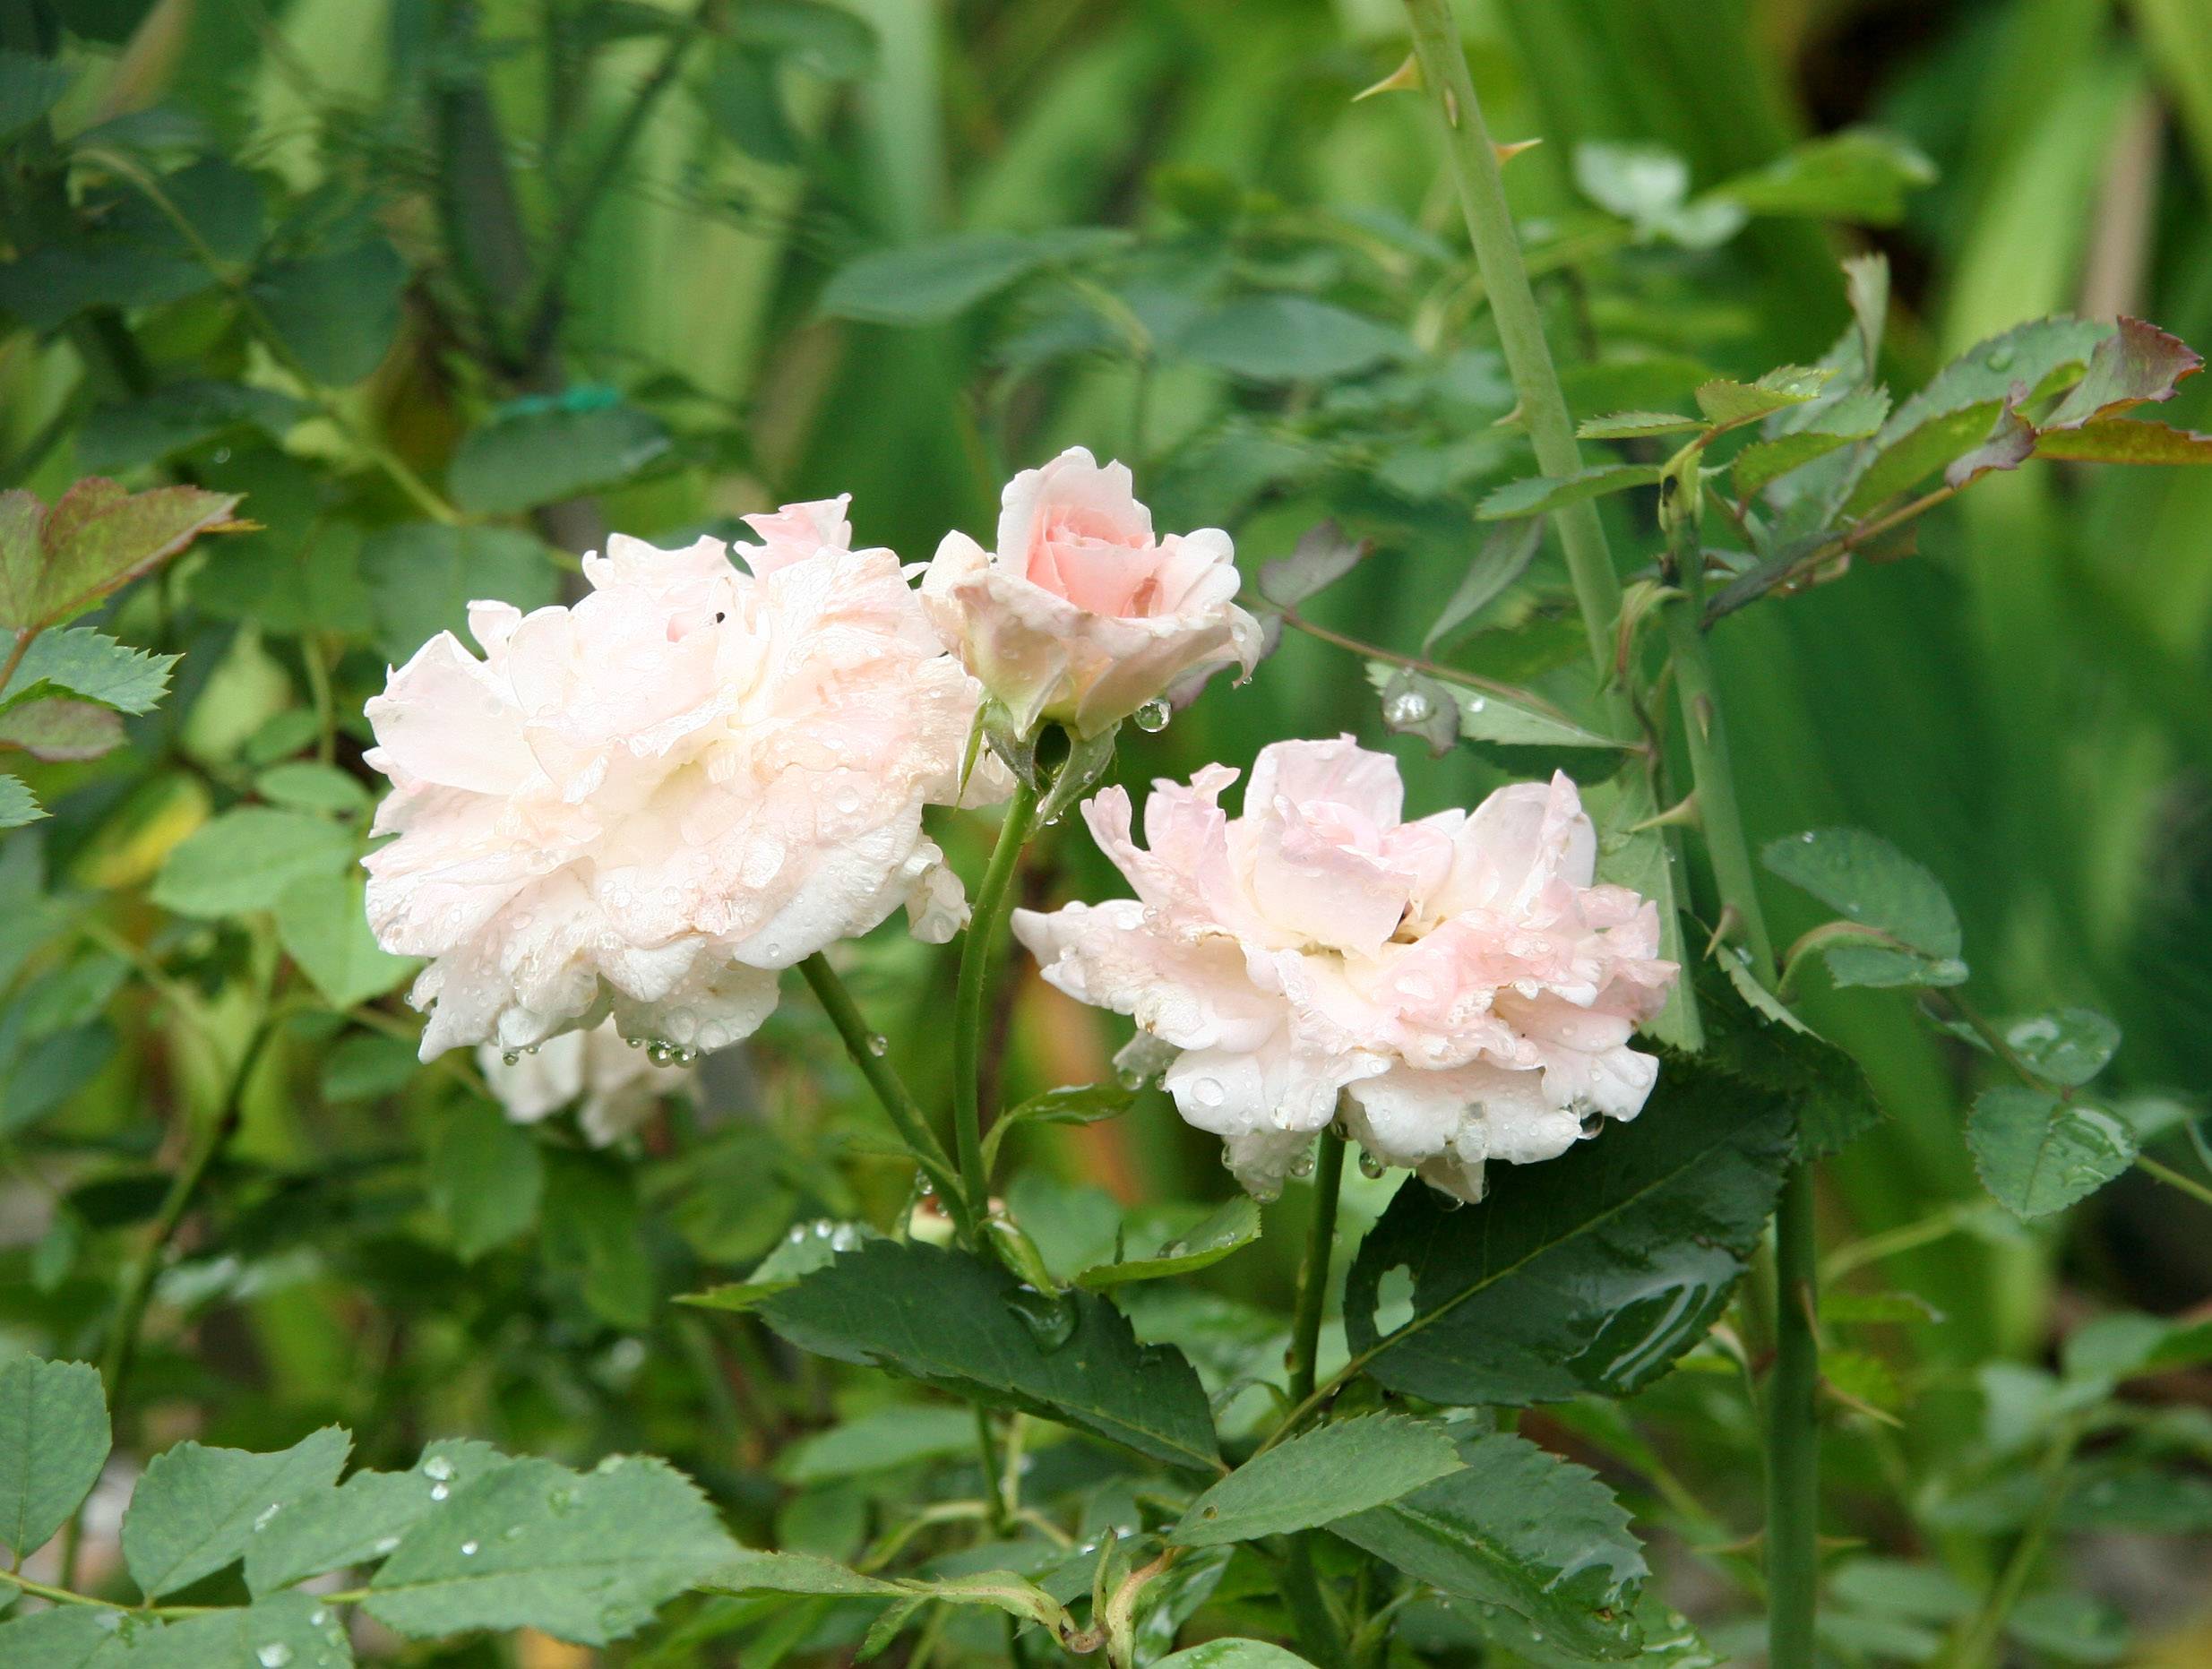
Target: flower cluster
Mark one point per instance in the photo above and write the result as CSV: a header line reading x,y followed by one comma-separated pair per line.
x,y
650,803
639,809
1455,989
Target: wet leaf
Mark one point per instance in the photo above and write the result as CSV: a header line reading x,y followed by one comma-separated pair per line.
x,y
1319,1476
2037,1154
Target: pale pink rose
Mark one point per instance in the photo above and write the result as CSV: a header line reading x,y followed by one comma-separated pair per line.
x,y
1081,616
618,1082
650,803
1455,987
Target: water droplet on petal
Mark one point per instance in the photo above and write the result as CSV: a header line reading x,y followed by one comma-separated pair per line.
x,y
1208,1092
1370,1167
1152,716
1302,1166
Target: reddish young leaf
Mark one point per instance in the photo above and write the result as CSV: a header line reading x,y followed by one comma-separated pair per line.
x,y
96,538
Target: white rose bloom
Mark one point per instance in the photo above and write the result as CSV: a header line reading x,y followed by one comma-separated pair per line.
x,y
618,1082
648,804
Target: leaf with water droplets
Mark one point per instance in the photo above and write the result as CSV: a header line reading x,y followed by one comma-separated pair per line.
x,y
1493,713
282,1631
195,1509
1234,1653
586,1558
951,1320
1588,1272
805,1248
2065,1046
1519,1529
1228,1228
1317,1477
360,1521
2037,1154
1910,932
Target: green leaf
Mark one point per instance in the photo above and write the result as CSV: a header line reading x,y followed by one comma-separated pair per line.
x,y
53,1441
2066,1047
1290,339
53,727
1728,404
1522,1529
533,456
2073,1627
179,416
18,804
531,1544
1322,555
246,860
2136,365
1232,1653
96,538
323,923
29,86
486,1179
2111,1348
883,1439
1071,1104
590,1227
1546,491
799,1253
1646,186
334,1526
1805,434
1318,1477
1953,413
1835,1104
2036,1154
195,1507
1589,1273
1501,558
1230,1227
1494,713
89,664
828,39
1633,853
1629,425
2125,441
2138,1498
755,1572
941,278
1860,174
1874,886
421,578
283,1630
963,1325
68,1636
310,786
337,312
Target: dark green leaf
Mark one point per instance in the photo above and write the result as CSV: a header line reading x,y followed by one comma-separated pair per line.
x,y
939,279
1873,885
1521,1530
285,1629
1317,1477
956,1323
886,1438
584,1558
2065,1046
828,39
194,1510
245,860
1232,1653
590,1227
1545,492
83,662
177,417
536,456
1229,1228
2037,1154
422,577
30,87
1290,339
1835,1104
1588,1272
68,1636
53,1443
336,313
486,1178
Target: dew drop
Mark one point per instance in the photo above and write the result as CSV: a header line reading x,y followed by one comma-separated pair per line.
x,y
273,1656
437,1466
469,1550
1208,1092
878,1044
261,1518
1151,718
384,1544
1592,1121
1408,706
319,1616
1370,1167
1050,1320
1302,1166
511,1057
439,1491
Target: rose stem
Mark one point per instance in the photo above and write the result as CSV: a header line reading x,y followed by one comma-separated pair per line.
x,y
1793,1433
890,1089
986,927
1317,1625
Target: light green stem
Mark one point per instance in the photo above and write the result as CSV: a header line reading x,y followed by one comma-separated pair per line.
x,y
978,953
906,1113
1318,1628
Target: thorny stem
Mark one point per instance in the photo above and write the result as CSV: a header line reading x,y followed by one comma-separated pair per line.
x,y
891,1090
979,951
1317,1625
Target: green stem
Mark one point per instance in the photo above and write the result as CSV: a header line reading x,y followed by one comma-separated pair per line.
x,y
119,1352
1794,1432
1474,162
978,952
891,1090
1318,1628
2172,1178
1985,1634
